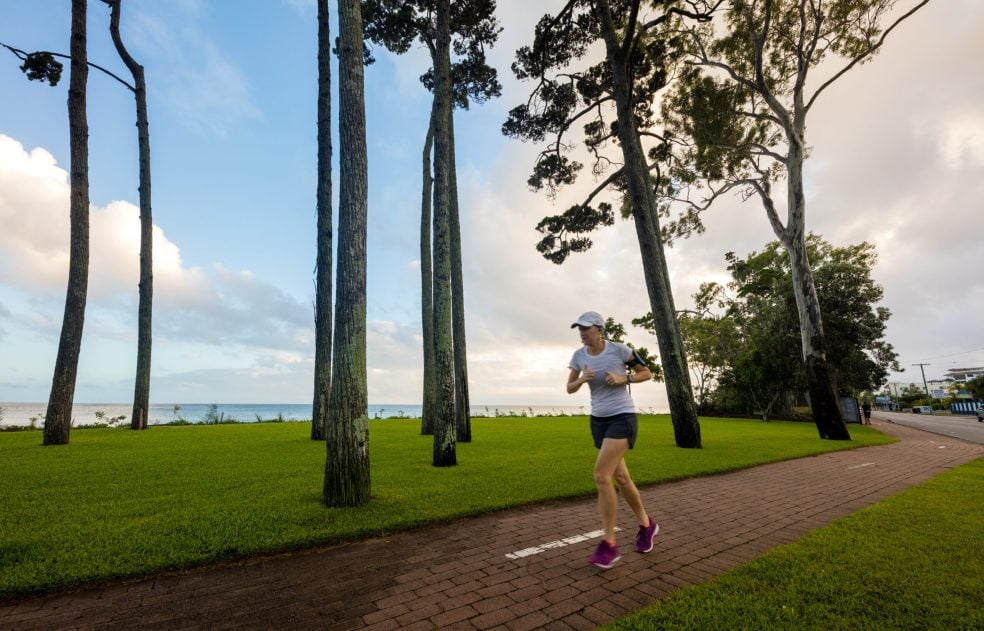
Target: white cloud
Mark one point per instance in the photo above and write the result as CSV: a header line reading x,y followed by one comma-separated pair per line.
x,y
201,82
962,140
220,307
34,200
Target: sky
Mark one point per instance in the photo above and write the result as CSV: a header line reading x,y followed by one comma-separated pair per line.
x,y
897,159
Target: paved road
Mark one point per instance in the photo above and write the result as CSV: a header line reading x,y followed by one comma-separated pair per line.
x,y
956,425
517,569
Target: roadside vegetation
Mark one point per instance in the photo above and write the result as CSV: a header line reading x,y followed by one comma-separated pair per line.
x,y
913,561
116,503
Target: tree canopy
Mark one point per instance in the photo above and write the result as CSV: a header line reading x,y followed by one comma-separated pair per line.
x,y
570,94
758,358
396,24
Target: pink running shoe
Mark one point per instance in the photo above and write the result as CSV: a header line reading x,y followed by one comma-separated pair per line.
x,y
604,556
644,540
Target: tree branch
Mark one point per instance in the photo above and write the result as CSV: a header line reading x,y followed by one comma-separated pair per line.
x,y
871,50
758,44
598,189
628,42
770,207
697,16
761,116
22,55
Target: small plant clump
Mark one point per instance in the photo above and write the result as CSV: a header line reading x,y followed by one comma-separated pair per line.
x,y
103,421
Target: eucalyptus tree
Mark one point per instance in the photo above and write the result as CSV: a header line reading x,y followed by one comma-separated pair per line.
x,y
613,99
754,340
744,104
347,481
58,416
472,28
323,284
141,390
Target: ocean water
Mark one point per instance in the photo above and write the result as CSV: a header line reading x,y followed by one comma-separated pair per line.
x,y
26,414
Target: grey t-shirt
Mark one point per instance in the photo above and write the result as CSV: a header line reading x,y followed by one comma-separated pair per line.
x,y
606,400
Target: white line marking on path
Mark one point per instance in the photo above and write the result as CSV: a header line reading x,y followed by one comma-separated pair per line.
x,y
858,466
560,543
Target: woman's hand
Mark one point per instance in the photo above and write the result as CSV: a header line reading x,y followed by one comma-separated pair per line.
x,y
587,375
614,379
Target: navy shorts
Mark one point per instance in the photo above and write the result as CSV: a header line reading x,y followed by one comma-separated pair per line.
x,y
625,425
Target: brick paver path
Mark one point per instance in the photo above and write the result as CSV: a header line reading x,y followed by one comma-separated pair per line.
x,y
458,576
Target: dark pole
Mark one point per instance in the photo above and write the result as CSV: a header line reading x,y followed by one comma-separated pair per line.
x,y
923,371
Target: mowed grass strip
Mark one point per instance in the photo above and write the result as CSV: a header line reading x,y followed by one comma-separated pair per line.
x,y
117,503
913,561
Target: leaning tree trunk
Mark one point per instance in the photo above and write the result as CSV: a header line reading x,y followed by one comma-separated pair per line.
x,y
347,466
820,376
322,300
821,379
445,448
141,389
683,411
58,416
462,411
429,410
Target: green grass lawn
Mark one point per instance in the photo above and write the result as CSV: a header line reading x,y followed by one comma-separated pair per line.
x,y
914,561
117,503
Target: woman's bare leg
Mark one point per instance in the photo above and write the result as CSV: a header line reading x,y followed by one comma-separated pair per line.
x,y
609,457
630,492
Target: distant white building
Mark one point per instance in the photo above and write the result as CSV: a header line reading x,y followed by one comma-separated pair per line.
x,y
961,375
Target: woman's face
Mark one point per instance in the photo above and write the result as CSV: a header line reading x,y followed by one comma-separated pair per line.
x,y
589,334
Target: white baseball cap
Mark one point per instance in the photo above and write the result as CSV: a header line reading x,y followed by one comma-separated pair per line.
x,y
590,318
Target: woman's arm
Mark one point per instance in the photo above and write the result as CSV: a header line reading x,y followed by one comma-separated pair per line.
x,y
640,372
635,374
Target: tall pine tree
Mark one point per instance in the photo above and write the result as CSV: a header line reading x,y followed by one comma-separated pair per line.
x,y
58,416
141,388
347,481
323,284
472,28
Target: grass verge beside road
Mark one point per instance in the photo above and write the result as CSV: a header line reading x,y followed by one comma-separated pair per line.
x,y
913,561
117,503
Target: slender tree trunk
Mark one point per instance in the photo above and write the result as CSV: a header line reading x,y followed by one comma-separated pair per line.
x,y
683,411
347,480
141,389
462,411
426,284
445,440
58,416
821,379
323,281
